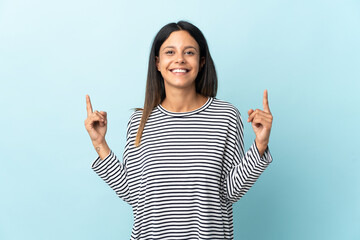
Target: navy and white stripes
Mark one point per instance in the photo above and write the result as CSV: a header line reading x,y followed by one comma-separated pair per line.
x,y
188,171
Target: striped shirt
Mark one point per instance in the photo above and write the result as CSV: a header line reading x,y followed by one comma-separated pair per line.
x,y
187,172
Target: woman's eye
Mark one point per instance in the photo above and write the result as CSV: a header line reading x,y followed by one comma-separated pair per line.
x,y
188,52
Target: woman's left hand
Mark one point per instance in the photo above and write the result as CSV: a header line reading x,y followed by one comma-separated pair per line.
x,y
261,121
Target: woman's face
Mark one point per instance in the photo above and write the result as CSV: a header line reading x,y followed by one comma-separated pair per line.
x,y
179,60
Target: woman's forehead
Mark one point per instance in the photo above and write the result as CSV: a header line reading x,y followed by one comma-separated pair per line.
x,y
180,39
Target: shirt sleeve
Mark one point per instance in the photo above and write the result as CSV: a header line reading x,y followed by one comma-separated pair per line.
x,y
114,172
241,170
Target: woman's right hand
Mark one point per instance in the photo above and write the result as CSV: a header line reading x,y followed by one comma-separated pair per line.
x,y
95,123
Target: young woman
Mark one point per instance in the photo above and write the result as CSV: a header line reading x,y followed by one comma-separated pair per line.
x,y
184,163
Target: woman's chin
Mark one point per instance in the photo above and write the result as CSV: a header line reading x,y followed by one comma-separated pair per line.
x,y
180,83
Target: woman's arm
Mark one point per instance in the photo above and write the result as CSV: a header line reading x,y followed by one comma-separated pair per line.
x,y
112,171
242,170
102,149
107,165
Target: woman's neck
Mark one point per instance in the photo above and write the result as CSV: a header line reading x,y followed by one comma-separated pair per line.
x,y
183,102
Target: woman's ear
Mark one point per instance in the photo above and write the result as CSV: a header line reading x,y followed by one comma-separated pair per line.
x,y
202,63
157,62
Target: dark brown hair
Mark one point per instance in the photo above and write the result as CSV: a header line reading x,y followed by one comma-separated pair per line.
x,y
206,80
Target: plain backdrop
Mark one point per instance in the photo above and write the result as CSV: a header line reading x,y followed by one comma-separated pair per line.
x,y
53,53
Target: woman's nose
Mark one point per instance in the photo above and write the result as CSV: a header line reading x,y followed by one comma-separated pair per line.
x,y
180,58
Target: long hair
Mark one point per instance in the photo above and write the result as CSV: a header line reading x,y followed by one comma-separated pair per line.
x,y
205,82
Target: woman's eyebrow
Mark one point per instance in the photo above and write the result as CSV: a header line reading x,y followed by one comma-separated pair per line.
x,y
185,47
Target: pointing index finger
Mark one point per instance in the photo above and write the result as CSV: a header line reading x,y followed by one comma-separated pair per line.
x,y
88,105
266,102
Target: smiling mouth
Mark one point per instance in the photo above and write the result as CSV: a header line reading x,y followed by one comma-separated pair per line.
x,y
179,70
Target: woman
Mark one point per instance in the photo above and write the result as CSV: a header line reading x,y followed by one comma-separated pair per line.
x,y
184,164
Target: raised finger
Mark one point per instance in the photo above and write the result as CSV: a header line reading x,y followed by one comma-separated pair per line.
x,y
266,102
88,106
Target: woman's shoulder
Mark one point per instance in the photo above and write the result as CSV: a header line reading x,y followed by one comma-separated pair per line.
x,y
136,114
226,106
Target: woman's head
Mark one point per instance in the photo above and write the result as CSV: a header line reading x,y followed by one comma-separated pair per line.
x,y
206,80
203,71
179,61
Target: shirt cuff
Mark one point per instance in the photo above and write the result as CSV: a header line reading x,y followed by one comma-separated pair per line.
x,y
266,157
97,163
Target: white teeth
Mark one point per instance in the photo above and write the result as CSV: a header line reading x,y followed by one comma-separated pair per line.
x,y
179,70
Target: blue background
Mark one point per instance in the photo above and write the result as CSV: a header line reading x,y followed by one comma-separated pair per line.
x,y
53,53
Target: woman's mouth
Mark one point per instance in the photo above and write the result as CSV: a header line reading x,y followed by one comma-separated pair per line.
x,y
179,71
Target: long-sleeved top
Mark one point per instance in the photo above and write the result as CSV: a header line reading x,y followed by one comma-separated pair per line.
x,y
187,172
